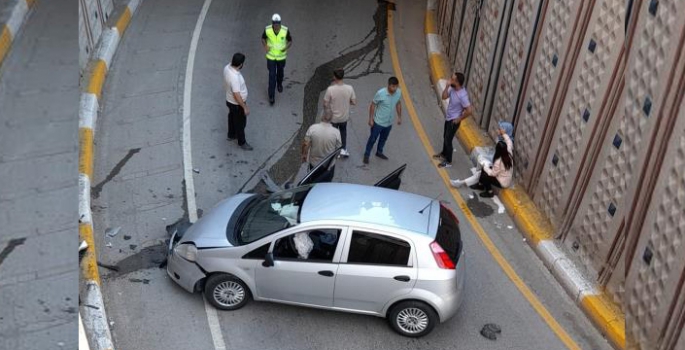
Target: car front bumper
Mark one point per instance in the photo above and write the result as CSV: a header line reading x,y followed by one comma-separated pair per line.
x,y
182,271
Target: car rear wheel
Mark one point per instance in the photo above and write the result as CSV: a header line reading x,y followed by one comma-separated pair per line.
x,y
412,318
226,292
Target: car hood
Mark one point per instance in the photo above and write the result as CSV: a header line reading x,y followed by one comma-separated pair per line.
x,y
210,230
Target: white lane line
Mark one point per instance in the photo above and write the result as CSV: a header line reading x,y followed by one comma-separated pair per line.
x,y
212,317
214,326
185,131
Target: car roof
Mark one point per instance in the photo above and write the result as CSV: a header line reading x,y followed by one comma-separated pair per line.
x,y
367,204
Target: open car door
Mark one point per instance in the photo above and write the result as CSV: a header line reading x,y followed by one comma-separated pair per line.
x,y
322,172
393,180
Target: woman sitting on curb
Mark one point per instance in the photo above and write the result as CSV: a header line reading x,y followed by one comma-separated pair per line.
x,y
499,173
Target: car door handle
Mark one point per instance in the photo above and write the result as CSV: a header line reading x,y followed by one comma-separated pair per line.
x,y
402,278
326,273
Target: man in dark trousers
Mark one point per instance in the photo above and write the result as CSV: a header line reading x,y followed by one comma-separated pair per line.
x,y
382,112
459,107
236,100
276,40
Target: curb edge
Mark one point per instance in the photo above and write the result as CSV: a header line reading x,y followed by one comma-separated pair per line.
x,y
96,325
9,30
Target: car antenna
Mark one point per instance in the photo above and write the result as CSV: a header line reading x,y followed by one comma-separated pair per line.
x,y
429,204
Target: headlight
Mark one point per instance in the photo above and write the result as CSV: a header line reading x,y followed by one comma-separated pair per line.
x,y
186,251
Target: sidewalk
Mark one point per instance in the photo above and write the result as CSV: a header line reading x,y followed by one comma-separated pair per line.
x,y
39,172
535,226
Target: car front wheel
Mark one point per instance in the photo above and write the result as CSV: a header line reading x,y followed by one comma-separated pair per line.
x,y
412,318
226,292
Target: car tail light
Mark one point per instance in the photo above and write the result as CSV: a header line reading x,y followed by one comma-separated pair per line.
x,y
444,261
454,217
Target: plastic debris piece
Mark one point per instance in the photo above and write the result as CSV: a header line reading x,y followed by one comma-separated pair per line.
x,y
490,331
111,232
109,244
83,246
196,170
510,227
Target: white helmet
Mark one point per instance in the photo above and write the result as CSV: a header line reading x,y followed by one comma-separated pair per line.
x,y
276,18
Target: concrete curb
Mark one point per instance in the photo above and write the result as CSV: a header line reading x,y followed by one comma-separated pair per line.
x,y
595,303
9,30
95,320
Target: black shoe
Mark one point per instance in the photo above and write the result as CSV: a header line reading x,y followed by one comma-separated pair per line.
x,y
230,138
246,146
271,101
487,194
477,187
381,156
366,159
445,164
438,156
280,88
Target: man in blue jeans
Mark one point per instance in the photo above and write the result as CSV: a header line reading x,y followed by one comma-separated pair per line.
x,y
385,104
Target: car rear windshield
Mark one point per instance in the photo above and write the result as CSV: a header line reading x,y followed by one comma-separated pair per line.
x,y
271,214
449,236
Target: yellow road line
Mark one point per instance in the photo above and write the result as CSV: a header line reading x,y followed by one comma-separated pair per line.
x,y
485,239
5,42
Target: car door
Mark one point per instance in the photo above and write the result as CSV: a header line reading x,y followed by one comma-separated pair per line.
x,y
322,172
304,269
375,268
393,180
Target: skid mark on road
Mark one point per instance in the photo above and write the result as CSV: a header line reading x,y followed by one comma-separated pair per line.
x,y
371,52
115,171
10,247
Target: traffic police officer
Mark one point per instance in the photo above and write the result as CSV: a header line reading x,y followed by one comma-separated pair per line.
x,y
276,40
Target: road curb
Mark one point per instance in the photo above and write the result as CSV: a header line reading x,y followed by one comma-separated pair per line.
x,y
595,303
9,29
95,322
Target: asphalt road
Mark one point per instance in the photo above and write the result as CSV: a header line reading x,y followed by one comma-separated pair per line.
x,y
140,187
39,94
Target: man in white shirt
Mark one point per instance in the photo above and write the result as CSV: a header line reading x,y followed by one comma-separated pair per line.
x,y
236,101
337,100
321,140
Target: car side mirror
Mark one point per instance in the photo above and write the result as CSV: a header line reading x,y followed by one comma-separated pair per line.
x,y
268,260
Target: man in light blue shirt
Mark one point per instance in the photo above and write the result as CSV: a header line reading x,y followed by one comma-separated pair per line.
x,y
385,104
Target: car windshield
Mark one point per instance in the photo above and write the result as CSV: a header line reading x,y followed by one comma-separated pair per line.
x,y
272,214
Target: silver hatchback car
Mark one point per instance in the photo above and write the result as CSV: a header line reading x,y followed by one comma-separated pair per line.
x,y
334,246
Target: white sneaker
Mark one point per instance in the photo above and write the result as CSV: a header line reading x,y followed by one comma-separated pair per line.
x,y
344,153
456,183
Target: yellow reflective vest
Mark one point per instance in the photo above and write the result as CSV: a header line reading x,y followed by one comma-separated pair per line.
x,y
276,42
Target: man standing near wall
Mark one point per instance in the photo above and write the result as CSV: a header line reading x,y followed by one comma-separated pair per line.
x,y
276,40
459,107
236,97
336,102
